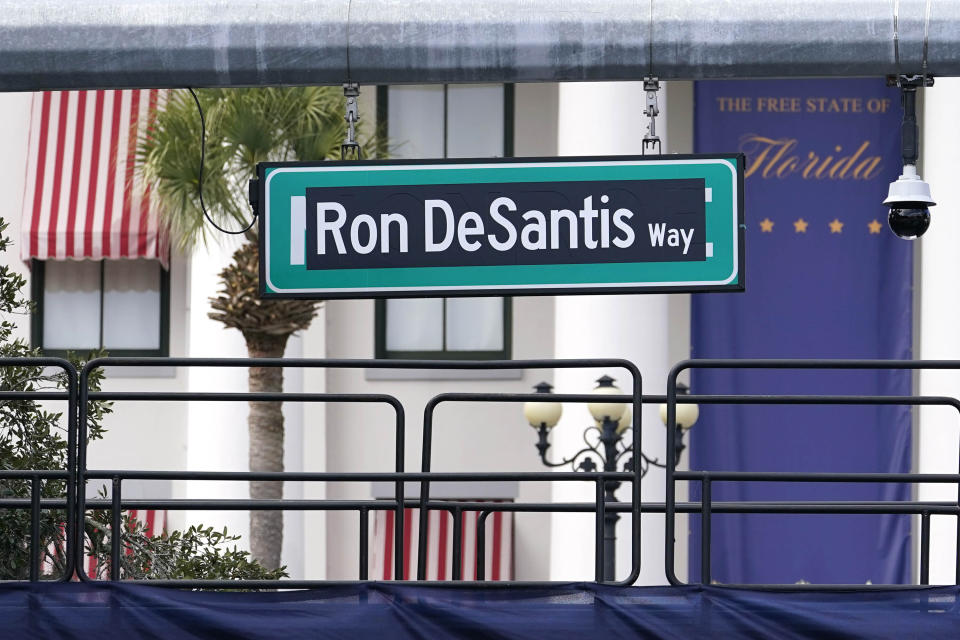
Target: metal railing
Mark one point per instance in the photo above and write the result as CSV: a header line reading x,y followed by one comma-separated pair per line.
x,y
36,503
707,507
117,504
77,475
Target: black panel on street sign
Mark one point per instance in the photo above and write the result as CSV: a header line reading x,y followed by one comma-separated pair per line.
x,y
522,223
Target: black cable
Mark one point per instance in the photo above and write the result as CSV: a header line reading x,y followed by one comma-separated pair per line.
x,y
203,149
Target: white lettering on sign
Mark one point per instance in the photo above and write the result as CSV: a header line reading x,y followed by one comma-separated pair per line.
x,y
428,217
673,236
323,226
555,216
511,240
537,223
588,214
385,220
620,217
556,229
371,233
470,225
362,225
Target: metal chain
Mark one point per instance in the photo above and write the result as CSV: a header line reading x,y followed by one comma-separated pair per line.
x,y
351,91
651,84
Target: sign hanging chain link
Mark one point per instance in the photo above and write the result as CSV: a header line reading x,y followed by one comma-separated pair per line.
x,y
651,84
351,91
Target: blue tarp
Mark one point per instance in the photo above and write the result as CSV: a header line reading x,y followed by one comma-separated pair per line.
x,y
386,611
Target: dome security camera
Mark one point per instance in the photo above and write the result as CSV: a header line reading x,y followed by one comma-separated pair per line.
x,y
909,201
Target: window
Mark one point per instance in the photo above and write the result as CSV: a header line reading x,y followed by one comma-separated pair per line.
x,y
444,328
462,121
119,305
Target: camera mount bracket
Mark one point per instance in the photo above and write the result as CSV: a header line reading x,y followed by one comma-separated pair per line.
x,y
910,80
909,131
909,196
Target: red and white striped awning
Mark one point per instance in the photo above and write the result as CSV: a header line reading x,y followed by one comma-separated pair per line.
x,y
498,547
83,197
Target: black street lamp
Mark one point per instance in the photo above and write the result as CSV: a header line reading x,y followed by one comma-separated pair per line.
x,y
605,440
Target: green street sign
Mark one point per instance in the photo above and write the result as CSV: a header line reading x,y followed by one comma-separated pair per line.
x,y
385,229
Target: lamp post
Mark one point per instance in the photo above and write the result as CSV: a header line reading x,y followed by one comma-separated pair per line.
x,y
605,440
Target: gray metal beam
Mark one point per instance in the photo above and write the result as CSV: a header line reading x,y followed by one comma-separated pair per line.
x,y
66,44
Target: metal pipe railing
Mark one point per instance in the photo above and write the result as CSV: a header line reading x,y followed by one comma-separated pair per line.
x,y
63,44
835,506
77,474
36,502
636,397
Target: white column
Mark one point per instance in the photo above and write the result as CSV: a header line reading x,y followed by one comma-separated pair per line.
x,y
601,119
295,534
217,438
314,450
939,434
15,133
217,432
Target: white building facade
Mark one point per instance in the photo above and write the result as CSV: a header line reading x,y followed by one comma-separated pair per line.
x,y
653,331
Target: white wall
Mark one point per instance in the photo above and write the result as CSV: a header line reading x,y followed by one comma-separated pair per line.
x,y
161,435
14,116
535,134
939,428
149,435
217,436
213,436
467,437
137,436
653,331
313,450
599,119
679,126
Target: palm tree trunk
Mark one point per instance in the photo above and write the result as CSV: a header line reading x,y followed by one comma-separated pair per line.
x,y
266,449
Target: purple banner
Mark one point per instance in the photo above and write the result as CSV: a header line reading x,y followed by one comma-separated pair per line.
x,y
825,278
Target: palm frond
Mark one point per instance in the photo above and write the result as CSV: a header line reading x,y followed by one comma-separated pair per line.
x,y
244,127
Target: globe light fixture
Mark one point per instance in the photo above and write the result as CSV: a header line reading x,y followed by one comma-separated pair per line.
x,y
687,414
600,410
543,414
605,441
626,420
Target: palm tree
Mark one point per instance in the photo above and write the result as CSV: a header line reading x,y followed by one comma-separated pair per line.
x,y
244,127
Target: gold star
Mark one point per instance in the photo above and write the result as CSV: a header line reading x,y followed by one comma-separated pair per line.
x,y
766,225
800,225
874,226
836,226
